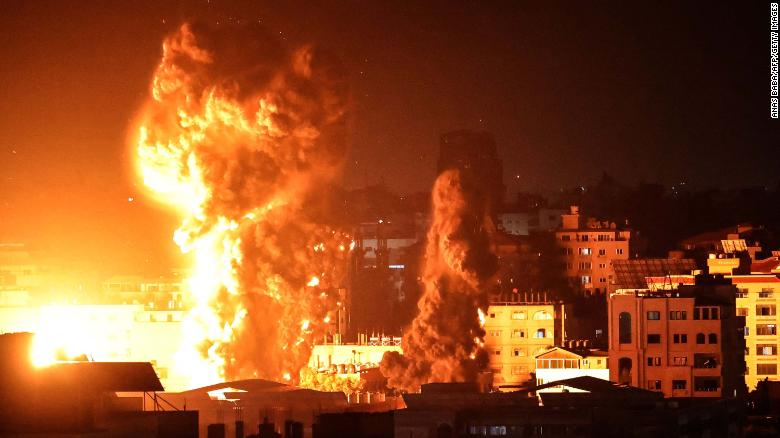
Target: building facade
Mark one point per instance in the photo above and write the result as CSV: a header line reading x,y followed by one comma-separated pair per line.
x,y
588,248
684,343
560,363
516,332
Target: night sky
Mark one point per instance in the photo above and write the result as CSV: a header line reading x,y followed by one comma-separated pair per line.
x,y
655,92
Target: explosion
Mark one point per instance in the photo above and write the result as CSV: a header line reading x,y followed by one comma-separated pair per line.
x,y
239,135
444,343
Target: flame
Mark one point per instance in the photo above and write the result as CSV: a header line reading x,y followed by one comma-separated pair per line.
x,y
237,143
65,333
481,316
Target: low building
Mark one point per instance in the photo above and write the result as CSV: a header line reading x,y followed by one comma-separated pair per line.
x,y
685,342
516,331
597,408
560,363
81,398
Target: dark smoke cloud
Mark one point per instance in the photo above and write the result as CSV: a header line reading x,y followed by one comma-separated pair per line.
x,y
444,341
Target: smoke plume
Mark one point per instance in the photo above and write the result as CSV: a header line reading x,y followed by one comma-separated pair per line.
x,y
444,343
239,134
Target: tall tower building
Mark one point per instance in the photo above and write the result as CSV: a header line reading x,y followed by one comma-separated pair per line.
x,y
474,152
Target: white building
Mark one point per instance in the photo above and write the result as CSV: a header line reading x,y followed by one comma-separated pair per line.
x,y
560,364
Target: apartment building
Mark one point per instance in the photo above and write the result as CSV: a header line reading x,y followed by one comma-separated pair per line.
x,y
685,342
515,332
588,249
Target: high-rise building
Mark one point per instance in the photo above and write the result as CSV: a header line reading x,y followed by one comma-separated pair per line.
x,y
685,342
474,152
588,250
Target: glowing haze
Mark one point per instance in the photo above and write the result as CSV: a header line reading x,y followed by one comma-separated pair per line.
x,y
239,134
445,340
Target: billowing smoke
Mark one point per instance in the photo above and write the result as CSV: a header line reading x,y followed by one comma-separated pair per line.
x,y
444,343
240,134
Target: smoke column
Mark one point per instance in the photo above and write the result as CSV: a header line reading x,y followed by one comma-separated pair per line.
x,y
444,343
238,135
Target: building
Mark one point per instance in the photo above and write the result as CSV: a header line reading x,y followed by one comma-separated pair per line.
x,y
595,408
163,293
81,398
115,333
685,342
523,223
589,248
561,363
757,299
474,152
516,331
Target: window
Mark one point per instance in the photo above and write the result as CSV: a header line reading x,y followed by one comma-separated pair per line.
x,y
681,338
745,331
766,293
679,384
542,315
517,333
766,349
742,311
742,293
495,333
680,361
585,265
766,310
766,369
585,251
766,329
585,279
653,339
566,238
540,333
497,352
653,315
493,315
624,328
712,338
584,238
700,338
619,251
678,315
654,385
518,352
705,313
602,265
602,252
654,361
518,315
519,370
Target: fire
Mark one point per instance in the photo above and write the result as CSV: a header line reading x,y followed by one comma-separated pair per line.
x,y
65,332
238,143
481,316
